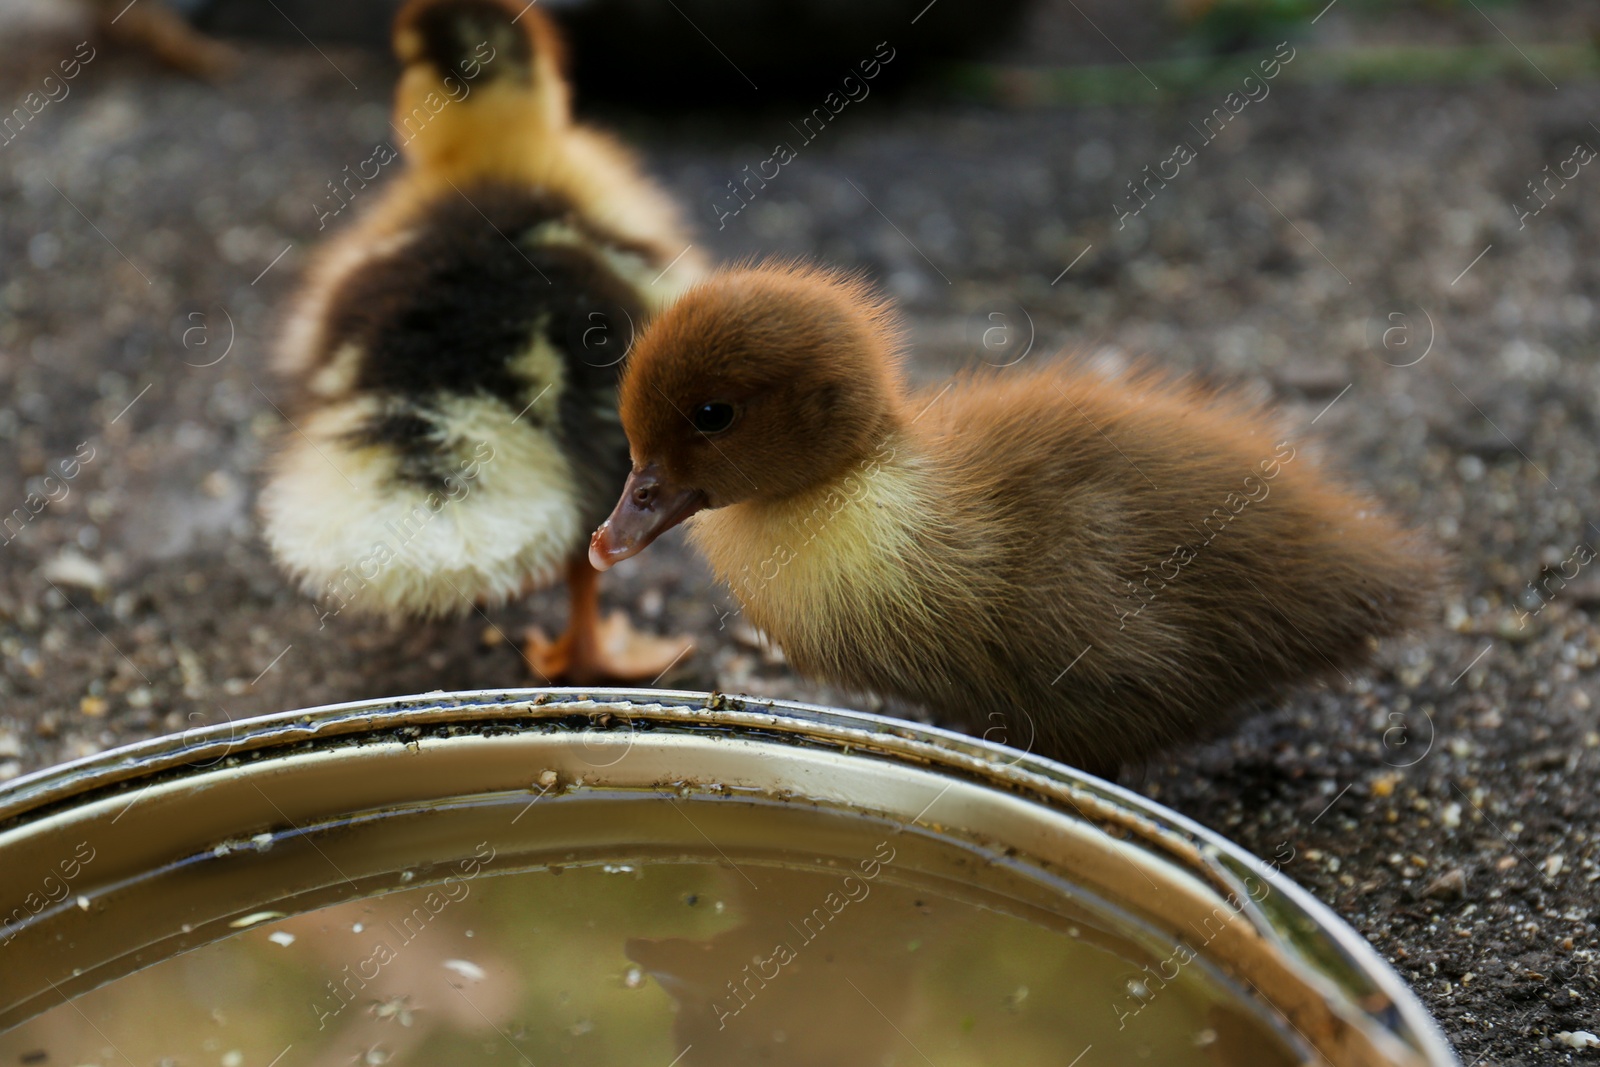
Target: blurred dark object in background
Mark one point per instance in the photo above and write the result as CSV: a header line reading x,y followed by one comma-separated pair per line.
x,y
1228,26
711,52
647,47
344,22
160,31
33,33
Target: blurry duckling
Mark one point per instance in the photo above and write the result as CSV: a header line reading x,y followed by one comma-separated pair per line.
x,y
455,435
1122,562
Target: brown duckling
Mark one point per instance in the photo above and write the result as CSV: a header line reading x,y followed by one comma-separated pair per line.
x,y
1117,563
456,350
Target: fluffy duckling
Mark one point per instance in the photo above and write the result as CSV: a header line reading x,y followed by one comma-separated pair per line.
x,y
455,435
1113,565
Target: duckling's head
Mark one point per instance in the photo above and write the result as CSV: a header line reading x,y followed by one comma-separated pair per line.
x,y
476,72
760,383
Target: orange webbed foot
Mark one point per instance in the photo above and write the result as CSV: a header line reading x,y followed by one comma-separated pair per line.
x,y
547,659
613,653
598,650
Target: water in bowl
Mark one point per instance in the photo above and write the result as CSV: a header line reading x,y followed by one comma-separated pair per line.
x,y
845,942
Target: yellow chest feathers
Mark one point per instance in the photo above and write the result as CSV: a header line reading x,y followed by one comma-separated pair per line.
x,y
852,549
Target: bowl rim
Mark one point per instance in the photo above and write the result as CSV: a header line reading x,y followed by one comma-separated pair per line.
x,y
1221,863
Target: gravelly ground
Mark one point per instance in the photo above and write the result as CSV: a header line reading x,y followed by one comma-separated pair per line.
x,y
1445,803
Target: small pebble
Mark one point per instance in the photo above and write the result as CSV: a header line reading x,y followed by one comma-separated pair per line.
x,y
73,568
1451,885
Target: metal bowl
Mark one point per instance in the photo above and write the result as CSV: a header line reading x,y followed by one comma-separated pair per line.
x,y
168,826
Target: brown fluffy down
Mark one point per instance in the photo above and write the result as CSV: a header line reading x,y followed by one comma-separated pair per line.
x,y
1110,563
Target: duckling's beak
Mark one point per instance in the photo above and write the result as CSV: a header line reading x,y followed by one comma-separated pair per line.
x,y
650,506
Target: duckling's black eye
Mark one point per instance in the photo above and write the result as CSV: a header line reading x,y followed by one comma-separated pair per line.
x,y
713,417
